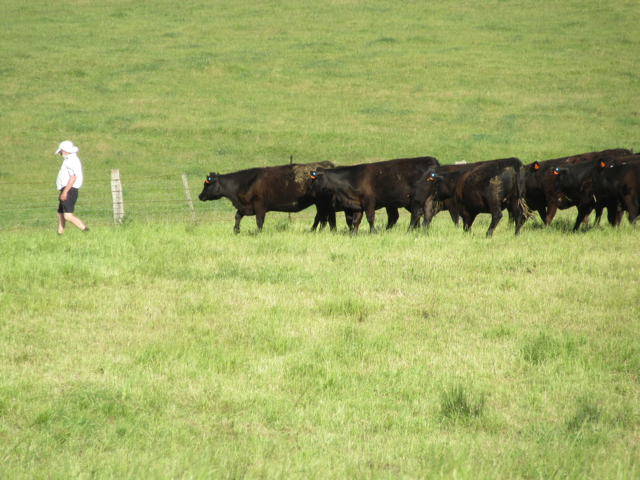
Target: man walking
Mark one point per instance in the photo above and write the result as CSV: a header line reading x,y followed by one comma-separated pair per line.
x,y
69,181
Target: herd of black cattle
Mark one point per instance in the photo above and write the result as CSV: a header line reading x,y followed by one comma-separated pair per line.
x,y
589,181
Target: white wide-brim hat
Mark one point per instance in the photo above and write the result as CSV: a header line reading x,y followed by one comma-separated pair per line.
x,y
67,146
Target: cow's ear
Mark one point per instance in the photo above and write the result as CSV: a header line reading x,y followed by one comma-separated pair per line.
x,y
536,166
313,175
556,171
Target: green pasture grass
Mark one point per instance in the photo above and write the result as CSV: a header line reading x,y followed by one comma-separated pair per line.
x,y
173,351
189,87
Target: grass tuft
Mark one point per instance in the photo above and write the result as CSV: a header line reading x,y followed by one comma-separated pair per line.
x,y
456,404
541,349
588,410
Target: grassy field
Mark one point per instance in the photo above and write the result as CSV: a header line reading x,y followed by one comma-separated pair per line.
x,y
181,352
174,351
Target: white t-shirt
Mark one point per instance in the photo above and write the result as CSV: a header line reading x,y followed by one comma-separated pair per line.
x,y
70,166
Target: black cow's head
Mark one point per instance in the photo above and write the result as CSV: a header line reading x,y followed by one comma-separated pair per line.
x,y
211,190
318,182
563,180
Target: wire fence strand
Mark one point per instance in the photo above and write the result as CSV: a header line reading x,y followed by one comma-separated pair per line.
x,y
150,200
157,199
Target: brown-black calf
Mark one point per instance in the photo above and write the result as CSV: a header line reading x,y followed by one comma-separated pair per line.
x,y
257,191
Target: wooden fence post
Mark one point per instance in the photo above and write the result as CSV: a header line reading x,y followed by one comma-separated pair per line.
x,y
186,189
116,194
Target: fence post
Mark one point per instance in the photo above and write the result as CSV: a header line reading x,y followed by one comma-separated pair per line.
x,y
186,189
116,194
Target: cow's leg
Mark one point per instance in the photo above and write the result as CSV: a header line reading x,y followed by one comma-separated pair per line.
x,y
260,214
324,214
496,216
236,227
392,217
416,214
599,211
583,216
543,214
552,209
427,207
631,204
519,222
370,211
332,220
357,218
348,217
518,215
467,219
612,214
450,205
318,221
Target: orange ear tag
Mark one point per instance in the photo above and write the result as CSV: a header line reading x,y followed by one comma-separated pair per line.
x,y
536,166
555,172
602,164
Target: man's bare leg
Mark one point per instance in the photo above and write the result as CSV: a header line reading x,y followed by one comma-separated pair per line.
x,y
61,223
75,220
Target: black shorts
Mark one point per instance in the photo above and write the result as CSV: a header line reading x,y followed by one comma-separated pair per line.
x,y
69,203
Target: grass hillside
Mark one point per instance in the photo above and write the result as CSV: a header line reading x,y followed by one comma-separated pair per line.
x,y
188,87
164,350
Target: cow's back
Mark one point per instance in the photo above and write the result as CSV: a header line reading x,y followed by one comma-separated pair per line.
x,y
498,177
286,186
540,174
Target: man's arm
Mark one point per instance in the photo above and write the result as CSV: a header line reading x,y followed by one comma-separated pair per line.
x,y
72,180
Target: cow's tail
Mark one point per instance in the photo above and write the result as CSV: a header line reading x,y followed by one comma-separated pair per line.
x,y
521,188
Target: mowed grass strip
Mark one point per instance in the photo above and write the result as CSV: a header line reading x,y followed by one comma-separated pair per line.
x,y
170,350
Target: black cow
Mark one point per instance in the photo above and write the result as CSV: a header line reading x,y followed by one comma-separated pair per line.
x,y
541,194
620,183
446,188
257,191
488,187
392,184
597,184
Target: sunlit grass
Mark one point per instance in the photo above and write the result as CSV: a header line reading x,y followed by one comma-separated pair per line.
x,y
279,351
163,350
